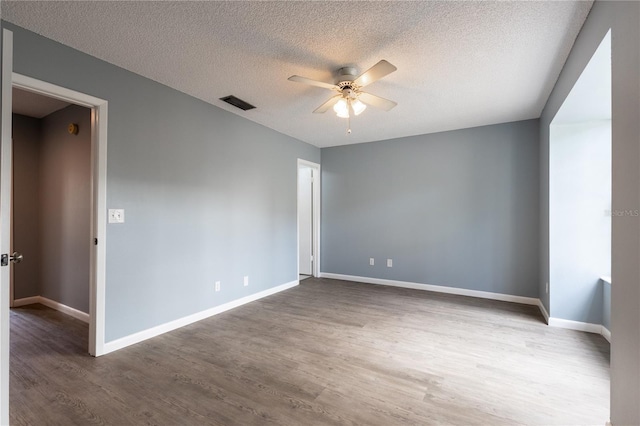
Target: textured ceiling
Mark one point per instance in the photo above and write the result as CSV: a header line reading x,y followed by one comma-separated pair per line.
x,y
34,105
460,64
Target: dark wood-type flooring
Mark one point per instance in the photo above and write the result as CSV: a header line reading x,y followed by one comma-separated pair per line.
x,y
325,352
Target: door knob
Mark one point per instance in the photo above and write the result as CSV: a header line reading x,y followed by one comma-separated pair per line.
x,y
16,257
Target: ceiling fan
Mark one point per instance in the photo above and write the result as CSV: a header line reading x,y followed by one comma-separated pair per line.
x,y
350,97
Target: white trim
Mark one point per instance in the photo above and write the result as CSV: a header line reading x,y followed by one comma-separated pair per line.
x,y
552,322
12,270
73,312
190,319
97,298
26,301
581,326
53,91
544,312
99,108
575,325
316,188
435,288
5,220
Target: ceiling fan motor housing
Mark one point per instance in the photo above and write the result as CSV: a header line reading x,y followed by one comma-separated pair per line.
x,y
347,74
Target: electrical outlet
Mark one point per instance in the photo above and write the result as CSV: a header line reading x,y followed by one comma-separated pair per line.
x,y
116,215
371,261
389,263
547,288
217,285
246,280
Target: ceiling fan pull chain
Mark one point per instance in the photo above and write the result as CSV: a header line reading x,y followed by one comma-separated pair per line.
x,y
349,109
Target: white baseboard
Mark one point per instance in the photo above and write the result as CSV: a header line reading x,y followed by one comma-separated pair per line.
x,y
26,301
140,336
435,288
575,325
82,316
553,322
544,312
77,314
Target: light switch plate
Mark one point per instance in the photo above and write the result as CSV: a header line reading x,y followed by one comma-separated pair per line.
x,y
116,215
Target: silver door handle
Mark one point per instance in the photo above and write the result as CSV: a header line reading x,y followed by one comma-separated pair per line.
x,y
16,257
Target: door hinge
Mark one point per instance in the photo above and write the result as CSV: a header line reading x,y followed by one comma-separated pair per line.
x,y
312,258
95,241
4,260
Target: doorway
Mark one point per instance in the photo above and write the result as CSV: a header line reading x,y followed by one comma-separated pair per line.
x,y
98,214
51,200
97,129
308,219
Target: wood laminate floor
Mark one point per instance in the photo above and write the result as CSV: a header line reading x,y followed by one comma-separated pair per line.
x,y
325,352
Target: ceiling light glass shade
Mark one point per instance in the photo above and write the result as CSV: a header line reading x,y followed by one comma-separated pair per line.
x,y
342,108
358,106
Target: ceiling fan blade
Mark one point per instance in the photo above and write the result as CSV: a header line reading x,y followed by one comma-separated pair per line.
x,y
310,82
327,105
375,73
376,101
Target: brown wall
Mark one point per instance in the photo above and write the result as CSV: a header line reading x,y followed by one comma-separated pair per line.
x,y
26,182
52,207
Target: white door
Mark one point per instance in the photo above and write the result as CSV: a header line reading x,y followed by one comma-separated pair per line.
x,y
305,219
5,221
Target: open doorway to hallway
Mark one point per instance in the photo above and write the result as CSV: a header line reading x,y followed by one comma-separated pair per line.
x,y
308,219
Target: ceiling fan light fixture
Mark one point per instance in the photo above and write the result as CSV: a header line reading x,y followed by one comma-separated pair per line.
x,y
358,107
347,103
342,108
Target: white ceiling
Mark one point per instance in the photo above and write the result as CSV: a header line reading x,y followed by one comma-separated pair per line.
x,y
34,105
460,64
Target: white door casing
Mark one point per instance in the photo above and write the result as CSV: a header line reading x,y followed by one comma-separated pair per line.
x,y
98,196
315,199
305,220
5,220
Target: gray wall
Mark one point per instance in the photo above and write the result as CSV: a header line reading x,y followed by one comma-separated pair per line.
x,y
65,207
622,18
26,141
580,228
456,209
208,195
606,304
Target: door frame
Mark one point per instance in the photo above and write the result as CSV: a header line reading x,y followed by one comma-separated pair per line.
x,y
315,226
98,210
5,219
